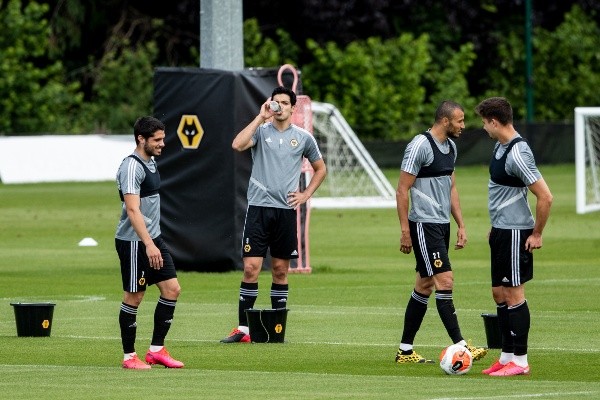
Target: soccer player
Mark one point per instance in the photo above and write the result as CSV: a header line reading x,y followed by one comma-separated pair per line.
x,y
427,173
514,233
143,254
278,148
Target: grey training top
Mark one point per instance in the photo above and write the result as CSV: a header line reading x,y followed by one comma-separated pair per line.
x,y
130,176
277,160
508,206
429,197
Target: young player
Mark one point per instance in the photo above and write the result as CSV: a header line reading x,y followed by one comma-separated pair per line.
x,y
145,259
278,148
514,234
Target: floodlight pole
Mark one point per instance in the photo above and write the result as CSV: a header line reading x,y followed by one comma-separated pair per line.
x,y
221,35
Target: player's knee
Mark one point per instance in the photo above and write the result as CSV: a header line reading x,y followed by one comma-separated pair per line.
x,y
172,290
279,275
424,285
279,269
133,298
444,281
176,291
498,295
251,271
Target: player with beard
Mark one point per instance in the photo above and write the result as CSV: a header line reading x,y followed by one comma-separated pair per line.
x,y
143,254
427,174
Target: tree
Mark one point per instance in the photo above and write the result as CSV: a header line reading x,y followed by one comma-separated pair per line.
x,y
376,84
565,68
34,93
567,71
122,90
261,51
117,72
63,64
448,80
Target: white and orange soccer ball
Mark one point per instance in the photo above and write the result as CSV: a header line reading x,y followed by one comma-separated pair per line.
x,y
456,359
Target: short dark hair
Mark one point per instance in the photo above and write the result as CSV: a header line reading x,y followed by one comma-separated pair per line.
x,y
284,90
147,127
446,109
496,108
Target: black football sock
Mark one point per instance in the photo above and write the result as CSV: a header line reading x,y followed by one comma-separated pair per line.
x,y
279,295
163,317
519,321
128,325
248,295
508,345
413,317
445,307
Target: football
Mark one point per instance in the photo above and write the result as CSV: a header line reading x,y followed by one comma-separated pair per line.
x,y
456,360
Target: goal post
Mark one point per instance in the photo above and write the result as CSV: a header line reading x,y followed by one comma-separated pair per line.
x,y
353,178
587,159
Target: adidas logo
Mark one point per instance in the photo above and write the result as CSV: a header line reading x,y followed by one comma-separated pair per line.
x,y
169,321
294,253
268,140
242,298
512,333
134,325
282,300
505,280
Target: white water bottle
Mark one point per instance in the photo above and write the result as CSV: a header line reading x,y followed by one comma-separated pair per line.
x,y
274,106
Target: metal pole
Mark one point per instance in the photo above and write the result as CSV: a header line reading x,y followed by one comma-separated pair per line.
x,y
221,35
528,61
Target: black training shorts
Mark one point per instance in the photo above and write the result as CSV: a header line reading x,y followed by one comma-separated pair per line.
x,y
430,243
512,265
270,228
136,272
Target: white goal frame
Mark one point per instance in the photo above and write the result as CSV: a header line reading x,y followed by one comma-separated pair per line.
x,y
587,159
353,178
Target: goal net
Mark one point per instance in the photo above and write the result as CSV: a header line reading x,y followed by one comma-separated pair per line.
x,y
587,158
353,178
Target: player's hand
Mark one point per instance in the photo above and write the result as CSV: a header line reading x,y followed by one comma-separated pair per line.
x,y
534,241
405,243
154,256
294,199
461,239
265,111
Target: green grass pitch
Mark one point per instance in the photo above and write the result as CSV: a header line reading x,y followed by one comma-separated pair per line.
x,y
345,320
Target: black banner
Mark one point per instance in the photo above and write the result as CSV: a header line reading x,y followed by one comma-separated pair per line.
x,y
204,181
